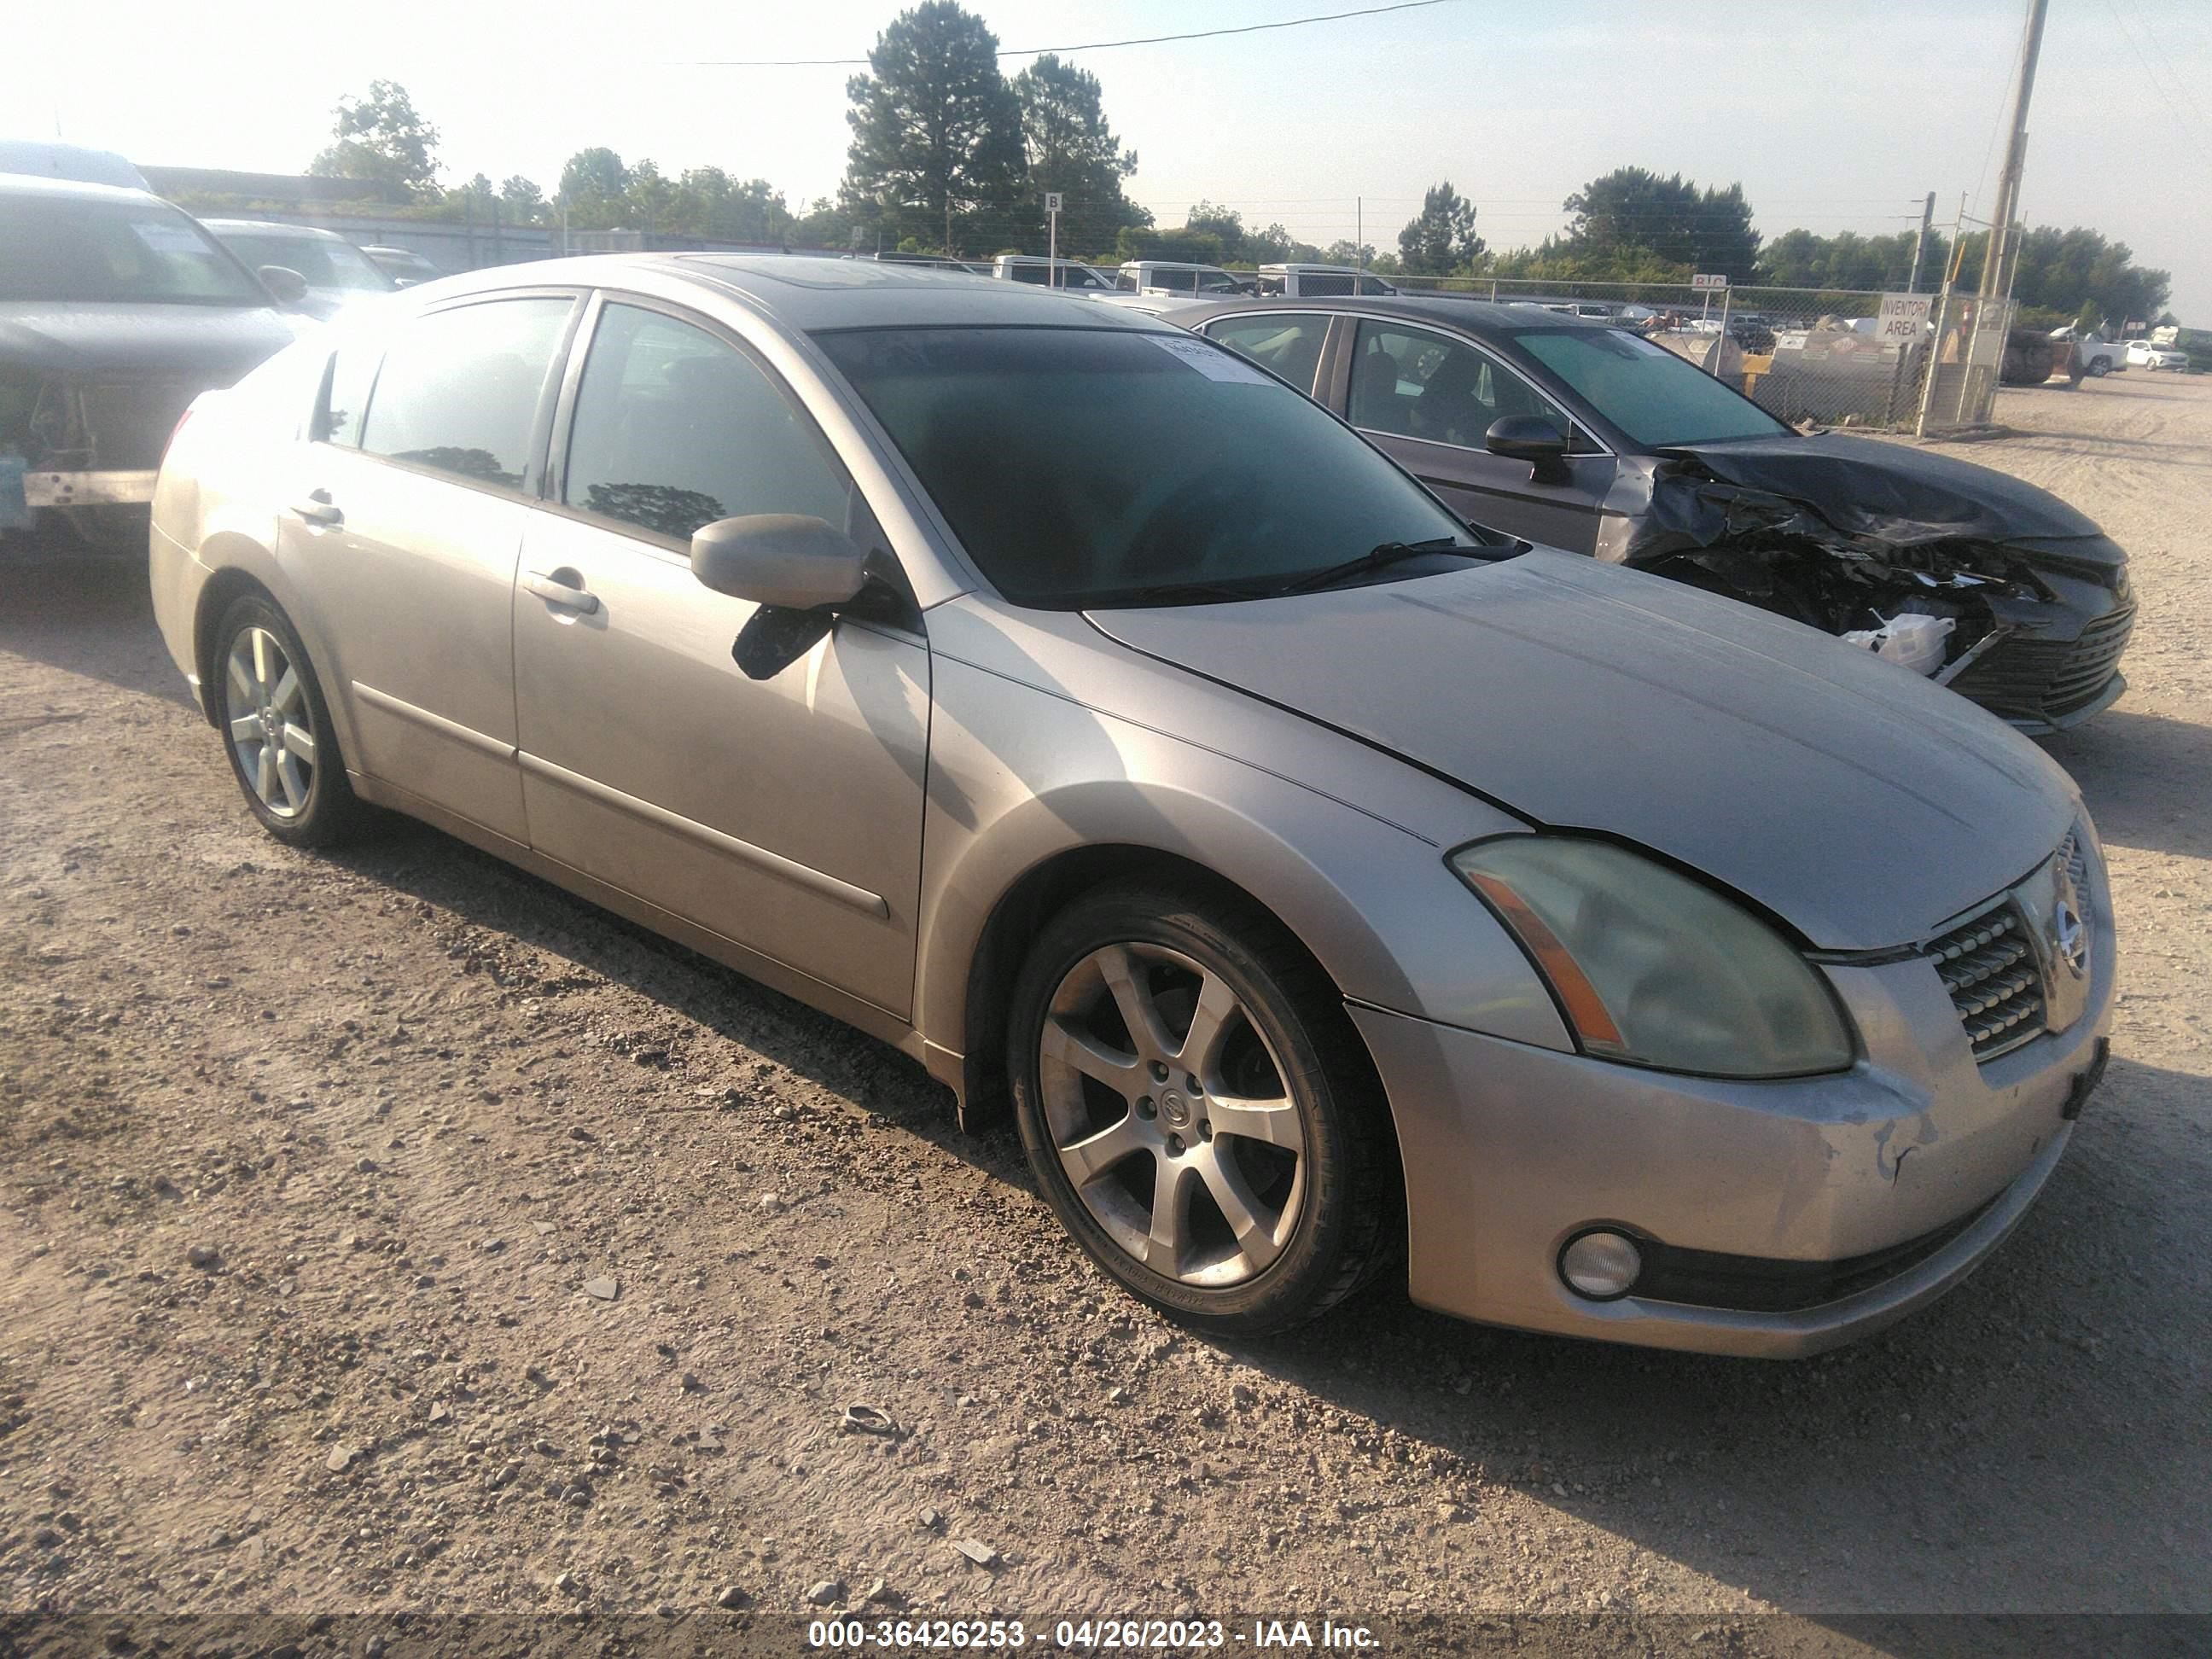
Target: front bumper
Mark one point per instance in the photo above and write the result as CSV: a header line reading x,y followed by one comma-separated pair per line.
x,y
1919,1161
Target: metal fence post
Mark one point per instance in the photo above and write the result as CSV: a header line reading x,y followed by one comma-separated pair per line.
x,y
1720,346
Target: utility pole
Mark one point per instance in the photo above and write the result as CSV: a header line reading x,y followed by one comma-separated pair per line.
x,y
1920,247
1358,230
1996,276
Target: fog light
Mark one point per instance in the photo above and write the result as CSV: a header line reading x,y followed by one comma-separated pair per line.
x,y
1601,1266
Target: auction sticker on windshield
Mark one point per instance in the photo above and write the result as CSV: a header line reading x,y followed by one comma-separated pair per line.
x,y
1210,361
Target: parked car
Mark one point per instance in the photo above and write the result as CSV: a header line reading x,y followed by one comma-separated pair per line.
x,y
403,265
1041,272
2098,355
1601,441
1295,281
336,273
1071,704
1177,277
115,310
46,158
2145,354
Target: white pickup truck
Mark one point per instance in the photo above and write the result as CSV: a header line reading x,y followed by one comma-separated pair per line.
x,y
2098,355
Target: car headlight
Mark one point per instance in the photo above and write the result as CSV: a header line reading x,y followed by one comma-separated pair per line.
x,y
1651,968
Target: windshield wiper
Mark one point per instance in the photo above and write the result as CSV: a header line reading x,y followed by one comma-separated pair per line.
x,y
1379,557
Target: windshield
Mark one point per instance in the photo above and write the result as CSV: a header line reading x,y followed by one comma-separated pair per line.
x,y
140,252
325,265
1653,395
1083,467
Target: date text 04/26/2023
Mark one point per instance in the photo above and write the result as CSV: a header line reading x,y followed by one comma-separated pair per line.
x,y
1091,1635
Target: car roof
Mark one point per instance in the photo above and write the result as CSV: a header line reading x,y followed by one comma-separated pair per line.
x,y
274,228
1469,316
808,292
32,184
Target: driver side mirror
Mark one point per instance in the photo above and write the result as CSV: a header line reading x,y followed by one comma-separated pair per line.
x,y
286,284
798,569
1532,438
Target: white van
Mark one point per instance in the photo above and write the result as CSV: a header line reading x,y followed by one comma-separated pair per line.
x,y
1036,269
1320,282
1176,277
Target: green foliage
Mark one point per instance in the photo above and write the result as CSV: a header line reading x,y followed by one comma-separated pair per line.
x,y
381,138
1633,219
1199,247
594,190
521,200
1804,259
1068,147
1440,240
937,145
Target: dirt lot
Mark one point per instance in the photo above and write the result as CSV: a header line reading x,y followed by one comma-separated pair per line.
x,y
309,1164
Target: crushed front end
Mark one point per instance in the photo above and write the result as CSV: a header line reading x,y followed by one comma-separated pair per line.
x,y
81,456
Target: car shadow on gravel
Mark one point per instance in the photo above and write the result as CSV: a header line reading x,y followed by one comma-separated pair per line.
x,y
71,610
2127,762
2039,1424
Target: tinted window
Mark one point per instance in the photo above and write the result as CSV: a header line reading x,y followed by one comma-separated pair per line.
x,y
1645,390
674,429
1324,283
72,248
1288,346
1095,466
1418,385
325,265
1037,275
353,372
460,389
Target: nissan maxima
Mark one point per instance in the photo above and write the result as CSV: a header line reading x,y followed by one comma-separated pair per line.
x,y
1327,888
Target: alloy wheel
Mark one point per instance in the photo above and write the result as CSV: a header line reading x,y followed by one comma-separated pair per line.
x,y
271,727
1171,1116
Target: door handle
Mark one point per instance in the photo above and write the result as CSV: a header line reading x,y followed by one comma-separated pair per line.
x,y
553,590
317,509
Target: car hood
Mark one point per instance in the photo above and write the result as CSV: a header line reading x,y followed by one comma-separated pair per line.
x,y
1860,803
1896,493
88,339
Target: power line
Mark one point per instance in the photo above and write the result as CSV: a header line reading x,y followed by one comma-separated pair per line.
x,y
1088,46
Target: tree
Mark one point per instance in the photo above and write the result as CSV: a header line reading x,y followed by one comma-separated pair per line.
x,y
936,132
2063,274
1440,240
593,187
1225,225
522,199
1632,217
1804,259
1180,243
382,139
1069,148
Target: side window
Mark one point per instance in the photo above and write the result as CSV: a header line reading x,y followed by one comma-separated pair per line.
x,y
674,429
1325,284
353,372
1288,346
460,389
1418,385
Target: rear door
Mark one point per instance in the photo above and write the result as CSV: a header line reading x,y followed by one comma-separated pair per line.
x,y
1285,343
1428,399
404,527
783,814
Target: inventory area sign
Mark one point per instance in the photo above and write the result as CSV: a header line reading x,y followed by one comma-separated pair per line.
x,y
1902,317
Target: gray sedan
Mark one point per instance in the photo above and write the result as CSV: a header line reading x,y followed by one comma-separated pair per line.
x,y
1049,692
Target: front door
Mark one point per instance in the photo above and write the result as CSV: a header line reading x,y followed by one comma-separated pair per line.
x,y
785,814
1428,401
405,520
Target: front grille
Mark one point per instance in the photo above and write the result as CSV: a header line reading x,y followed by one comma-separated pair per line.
x,y
2075,858
2050,677
1749,1283
129,423
1990,968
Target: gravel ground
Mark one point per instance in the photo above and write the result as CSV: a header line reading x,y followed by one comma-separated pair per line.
x,y
392,1232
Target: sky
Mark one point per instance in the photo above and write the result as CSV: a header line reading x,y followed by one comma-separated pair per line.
x,y
1837,115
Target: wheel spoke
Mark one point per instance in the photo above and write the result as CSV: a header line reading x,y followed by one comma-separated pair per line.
x,y
295,786
300,743
1171,1230
1255,1236
264,774
241,674
1123,1074
285,697
1275,1122
1124,977
246,728
261,644
1091,1157
1217,1009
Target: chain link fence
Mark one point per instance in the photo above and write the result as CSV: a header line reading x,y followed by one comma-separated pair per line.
x,y
1826,356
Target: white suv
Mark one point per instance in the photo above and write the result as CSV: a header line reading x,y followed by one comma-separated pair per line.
x,y
2145,354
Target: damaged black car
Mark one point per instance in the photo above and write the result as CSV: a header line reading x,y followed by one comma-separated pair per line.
x,y
1594,439
116,311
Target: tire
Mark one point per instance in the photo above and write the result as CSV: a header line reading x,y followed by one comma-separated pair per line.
x,y
296,785
1127,1119
2099,368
